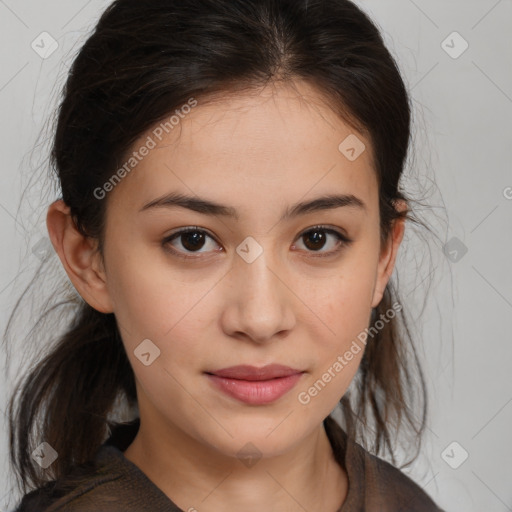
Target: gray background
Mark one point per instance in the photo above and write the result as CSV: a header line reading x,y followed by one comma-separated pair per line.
x,y
463,155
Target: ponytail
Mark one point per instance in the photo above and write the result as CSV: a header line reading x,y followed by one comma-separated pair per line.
x,y
72,389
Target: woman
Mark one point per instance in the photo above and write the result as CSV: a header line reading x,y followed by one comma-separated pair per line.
x,y
230,218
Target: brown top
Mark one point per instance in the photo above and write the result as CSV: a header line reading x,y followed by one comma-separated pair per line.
x,y
112,483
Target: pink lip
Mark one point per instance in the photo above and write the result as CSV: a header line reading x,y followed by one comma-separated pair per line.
x,y
253,385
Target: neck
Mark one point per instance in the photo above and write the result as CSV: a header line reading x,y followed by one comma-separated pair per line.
x,y
197,477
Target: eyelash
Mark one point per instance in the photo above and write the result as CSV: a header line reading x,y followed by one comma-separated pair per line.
x,y
344,241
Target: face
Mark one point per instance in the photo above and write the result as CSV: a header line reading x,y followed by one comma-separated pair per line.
x,y
259,282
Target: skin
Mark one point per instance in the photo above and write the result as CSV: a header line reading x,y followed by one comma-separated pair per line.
x,y
259,153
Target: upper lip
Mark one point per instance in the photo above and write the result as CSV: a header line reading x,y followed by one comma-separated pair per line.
x,y
247,372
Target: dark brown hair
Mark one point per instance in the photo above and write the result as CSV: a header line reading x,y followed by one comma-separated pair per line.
x,y
144,60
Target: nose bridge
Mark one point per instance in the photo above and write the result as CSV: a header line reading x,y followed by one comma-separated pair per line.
x,y
258,275
262,306
255,271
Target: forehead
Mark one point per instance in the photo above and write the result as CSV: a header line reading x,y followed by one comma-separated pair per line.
x,y
278,142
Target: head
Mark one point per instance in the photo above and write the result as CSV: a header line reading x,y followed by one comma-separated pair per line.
x,y
287,125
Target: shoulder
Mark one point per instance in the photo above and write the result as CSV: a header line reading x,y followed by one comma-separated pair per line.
x,y
106,484
386,488
374,485
81,489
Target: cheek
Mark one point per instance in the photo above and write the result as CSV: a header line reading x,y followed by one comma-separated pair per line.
x,y
344,306
344,302
170,314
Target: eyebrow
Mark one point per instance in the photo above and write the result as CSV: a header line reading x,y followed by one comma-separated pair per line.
x,y
206,207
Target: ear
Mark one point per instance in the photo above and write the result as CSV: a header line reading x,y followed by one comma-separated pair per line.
x,y
388,255
79,257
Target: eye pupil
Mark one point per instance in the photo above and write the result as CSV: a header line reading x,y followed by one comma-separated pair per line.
x,y
317,236
192,240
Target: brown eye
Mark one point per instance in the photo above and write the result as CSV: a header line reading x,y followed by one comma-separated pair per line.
x,y
314,240
318,237
192,240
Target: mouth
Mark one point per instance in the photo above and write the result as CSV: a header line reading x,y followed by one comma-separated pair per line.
x,y
255,386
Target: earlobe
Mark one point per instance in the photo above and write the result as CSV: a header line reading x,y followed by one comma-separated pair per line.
x,y
388,256
79,257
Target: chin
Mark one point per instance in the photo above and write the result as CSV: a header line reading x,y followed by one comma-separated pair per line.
x,y
267,438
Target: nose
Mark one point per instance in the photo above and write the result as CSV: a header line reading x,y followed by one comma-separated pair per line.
x,y
260,302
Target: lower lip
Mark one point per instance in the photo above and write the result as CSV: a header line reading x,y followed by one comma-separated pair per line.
x,y
256,392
